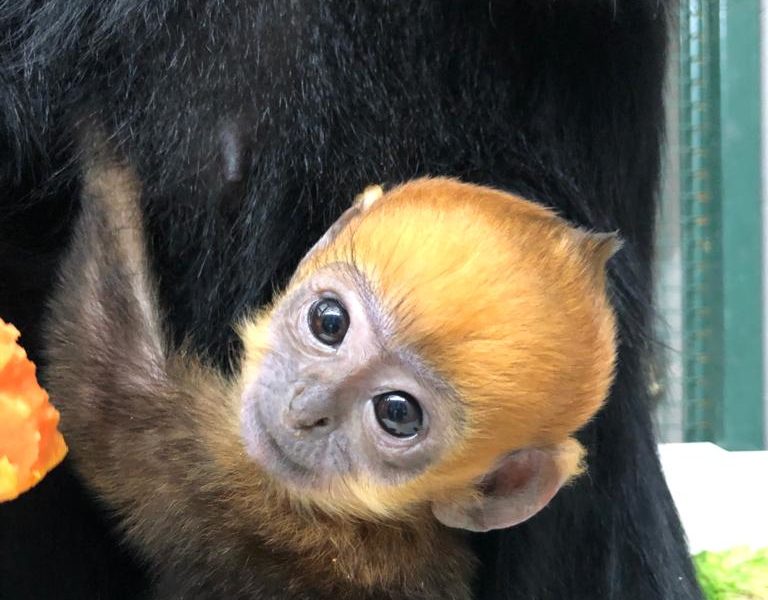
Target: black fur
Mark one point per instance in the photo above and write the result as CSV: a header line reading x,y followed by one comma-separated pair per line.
x,y
254,123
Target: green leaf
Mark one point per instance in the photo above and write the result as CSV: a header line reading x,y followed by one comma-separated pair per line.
x,y
737,574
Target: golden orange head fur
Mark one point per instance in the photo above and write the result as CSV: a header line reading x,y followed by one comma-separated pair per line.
x,y
501,297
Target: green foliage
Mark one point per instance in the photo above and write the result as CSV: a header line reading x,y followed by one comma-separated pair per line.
x,y
738,574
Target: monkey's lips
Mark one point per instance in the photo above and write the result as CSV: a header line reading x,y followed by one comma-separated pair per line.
x,y
265,449
281,457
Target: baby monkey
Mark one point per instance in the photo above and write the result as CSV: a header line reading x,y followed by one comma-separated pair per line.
x,y
421,376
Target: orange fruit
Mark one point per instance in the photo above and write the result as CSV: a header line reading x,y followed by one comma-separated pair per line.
x,y
30,443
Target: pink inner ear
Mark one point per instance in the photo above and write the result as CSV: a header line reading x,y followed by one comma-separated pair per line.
x,y
520,486
513,473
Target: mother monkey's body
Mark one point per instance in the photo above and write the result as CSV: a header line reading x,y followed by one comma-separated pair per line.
x,y
252,122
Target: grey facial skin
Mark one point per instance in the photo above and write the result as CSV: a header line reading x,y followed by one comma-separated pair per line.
x,y
309,414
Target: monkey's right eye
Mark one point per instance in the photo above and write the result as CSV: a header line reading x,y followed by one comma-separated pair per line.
x,y
399,414
328,321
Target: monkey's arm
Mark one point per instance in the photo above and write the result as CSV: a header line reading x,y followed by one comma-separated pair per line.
x,y
109,366
130,408
155,433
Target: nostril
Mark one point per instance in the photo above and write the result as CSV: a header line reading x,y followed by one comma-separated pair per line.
x,y
309,410
309,425
305,422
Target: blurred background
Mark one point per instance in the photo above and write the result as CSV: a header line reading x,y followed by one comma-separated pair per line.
x,y
711,274
711,257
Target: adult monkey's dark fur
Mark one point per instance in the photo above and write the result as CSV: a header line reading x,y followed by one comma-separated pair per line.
x,y
254,123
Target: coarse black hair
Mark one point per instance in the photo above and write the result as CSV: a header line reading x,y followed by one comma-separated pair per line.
x,y
252,124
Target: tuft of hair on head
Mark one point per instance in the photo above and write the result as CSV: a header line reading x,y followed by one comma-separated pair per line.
x,y
368,196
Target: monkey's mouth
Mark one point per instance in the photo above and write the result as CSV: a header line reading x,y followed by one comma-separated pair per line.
x,y
283,459
265,449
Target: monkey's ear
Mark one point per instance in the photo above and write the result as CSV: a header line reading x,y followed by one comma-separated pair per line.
x,y
519,487
362,203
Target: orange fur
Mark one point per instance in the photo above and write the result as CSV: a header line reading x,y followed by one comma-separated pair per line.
x,y
501,297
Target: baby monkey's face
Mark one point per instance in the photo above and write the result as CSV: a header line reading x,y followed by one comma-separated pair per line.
x,y
424,353
333,398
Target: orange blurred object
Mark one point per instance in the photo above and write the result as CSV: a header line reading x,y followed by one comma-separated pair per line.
x,y
30,443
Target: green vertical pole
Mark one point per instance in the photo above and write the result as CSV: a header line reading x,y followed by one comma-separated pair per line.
x,y
742,426
700,219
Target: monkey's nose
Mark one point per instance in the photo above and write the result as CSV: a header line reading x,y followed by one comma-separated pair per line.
x,y
309,414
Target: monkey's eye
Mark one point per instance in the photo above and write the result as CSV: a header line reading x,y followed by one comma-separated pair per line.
x,y
328,321
398,413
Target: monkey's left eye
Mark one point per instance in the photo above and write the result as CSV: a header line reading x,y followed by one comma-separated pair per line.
x,y
328,321
398,413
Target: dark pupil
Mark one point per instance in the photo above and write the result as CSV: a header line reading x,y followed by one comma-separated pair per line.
x,y
398,413
328,321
